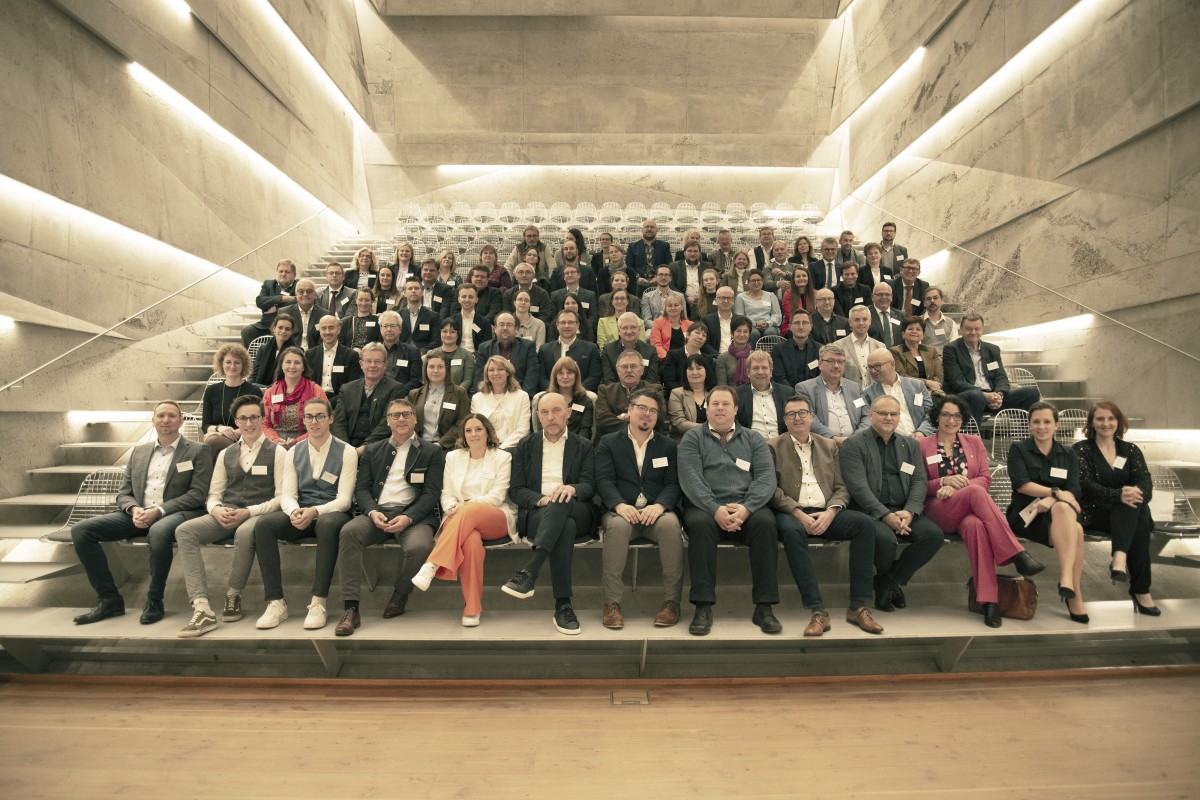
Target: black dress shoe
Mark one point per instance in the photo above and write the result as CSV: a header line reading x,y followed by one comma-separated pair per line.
x,y
702,622
1027,565
153,612
883,595
111,607
395,606
898,599
991,615
765,618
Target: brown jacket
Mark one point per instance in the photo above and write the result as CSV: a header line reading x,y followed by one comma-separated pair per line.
x,y
789,472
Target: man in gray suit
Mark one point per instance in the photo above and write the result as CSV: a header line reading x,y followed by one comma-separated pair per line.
x,y
838,405
887,481
858,345
915,400
166,482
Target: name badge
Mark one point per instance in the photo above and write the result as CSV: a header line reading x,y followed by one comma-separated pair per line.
x,y
1058,472
402,362
417,477
645,362
258,469
577,407
391,301
936,458
277,398
329,477
915,302
919,398
939,331
1119,462
991,365
585,306
813,364
437,299
370,323
424,327
840,332
920,359
907,468
743,464
183,466
474,327
857,300
451,406
859,403
658,462
336,368
535,309
344,301
456,362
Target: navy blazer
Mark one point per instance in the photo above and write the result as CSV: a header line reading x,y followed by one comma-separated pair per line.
x,y
617,475
343,357
426,333
745,411
423,470
586,354
959,370
525,485
643,260
523,357
793,365
918,305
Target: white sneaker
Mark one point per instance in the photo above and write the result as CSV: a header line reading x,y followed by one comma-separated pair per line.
x,y
317,616
471,622
276,613
424,576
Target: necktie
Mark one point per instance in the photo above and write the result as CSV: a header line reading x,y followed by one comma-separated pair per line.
x,y
724,437
885,326
829,274
907,308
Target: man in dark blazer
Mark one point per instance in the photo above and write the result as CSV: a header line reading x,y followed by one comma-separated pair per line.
x,y
686,273
305,313
336,296
975,372
166,483
886,478
827,325
570,344
716,344
332,365
848,292
887,325
588,301
437,296
810,500
629,329
827,270
761,253
797,358
645,255
274,295
894,255
908,283
404,360
506,344
552,520
400,507
619,280
471,324
418,324
539,298
359,417
640,491
760,402
489,301
599,263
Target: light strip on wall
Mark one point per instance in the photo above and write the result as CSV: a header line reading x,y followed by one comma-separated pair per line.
x,y
181,8
157,87
459,169
894,81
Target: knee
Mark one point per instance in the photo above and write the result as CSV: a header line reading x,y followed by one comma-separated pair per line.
x,y
160,539
1062,512
970,527
974,492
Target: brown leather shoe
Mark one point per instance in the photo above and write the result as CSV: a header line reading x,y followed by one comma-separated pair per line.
x,y
818,624
668,615
350,621
612,616
395,606
863,619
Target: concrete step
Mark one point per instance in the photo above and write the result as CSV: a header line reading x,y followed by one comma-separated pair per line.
x,y
19,531
98,445
234,339
30,571
68,469
53,499
199,367
194,384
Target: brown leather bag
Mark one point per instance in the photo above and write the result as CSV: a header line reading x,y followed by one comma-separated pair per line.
x,y
1016,597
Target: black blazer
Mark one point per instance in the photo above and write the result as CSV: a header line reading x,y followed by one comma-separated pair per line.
x,y
450,420
617,475
490,303
265,362
443,298
918,296
587,278
523,357
793,365
540,305
525,485
844,299
404,366
350,402
589,304
867,279
478,337
339,304
674,372
423,470
314,317
838,328
270,299
894,320
343,357
346,337
425,334
586,354
959,371
745,412
612,351
712,345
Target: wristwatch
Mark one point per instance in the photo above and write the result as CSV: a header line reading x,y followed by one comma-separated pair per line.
x,y
1054,493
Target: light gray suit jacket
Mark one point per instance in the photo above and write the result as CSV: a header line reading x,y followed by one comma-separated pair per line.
x,y
854,370
910,387
814,390
185,489
862,470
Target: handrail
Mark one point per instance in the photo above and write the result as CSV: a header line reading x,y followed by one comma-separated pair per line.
x,y
160,301
890,215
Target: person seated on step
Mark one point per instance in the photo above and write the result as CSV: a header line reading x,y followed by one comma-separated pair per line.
x,y
975,372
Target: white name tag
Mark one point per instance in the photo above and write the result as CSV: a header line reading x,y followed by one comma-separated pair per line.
x,y
743,464
859,403
577,407
336,368
645,362
456,362
424,327
276,398
344,301
402,362
437,299
474,327
183,466
329,477
535,309
934,459
451,406
585,306
658,462
1119,462
857,300
939,331
258,469
370,323
907,468
389,302
417,477
914,302
919,398
1028,513
1058,472
840,332
920,359
813,364
991,365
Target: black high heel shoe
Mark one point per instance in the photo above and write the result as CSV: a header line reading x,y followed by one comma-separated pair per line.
x,y
1083,619
1117,575
1149,611
1066,592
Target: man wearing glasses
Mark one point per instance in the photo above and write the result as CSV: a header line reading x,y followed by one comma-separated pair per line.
x,y
914,399
399,485
318,486
887,481
837,404
613,399
810,500
637,474
246,484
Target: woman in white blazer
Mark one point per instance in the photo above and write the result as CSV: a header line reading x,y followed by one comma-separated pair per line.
x,y
501,400
475,507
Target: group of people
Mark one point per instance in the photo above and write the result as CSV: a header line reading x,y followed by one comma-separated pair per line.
x,y
467,425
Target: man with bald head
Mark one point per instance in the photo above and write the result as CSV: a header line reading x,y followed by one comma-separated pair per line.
x,y
886,478
827,325
910,393
645,255
886,324
305,314
330,363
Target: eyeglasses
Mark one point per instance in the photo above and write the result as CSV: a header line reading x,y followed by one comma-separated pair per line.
x,y
400,415
840,362
310,418
874,367
247,420
887,414
948,415
645,409
803,413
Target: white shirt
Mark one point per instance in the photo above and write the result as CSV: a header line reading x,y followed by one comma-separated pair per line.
x,y
861,351
810,495
693,280
396,490
304,315
288,502
764,420
468,333
156,473
981,378
552,462
726,334
246,457
639,455
327,369
896,392
839,415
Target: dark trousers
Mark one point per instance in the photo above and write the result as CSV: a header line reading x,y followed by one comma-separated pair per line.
x,y
1017,397
1130,532
924,541
88,537
416,543
277,526
758,531
852,526
554,529
253,331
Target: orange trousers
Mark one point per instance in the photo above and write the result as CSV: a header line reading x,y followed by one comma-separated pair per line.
x,y
459,553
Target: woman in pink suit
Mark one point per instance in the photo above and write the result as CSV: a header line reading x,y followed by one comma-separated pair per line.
x,y
959,503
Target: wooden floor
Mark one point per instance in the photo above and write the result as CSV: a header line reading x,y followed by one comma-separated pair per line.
x,y
1127,735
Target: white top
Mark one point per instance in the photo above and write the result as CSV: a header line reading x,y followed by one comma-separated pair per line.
x,y
156,473
397,491
552,462
508,413
484,481
810,495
